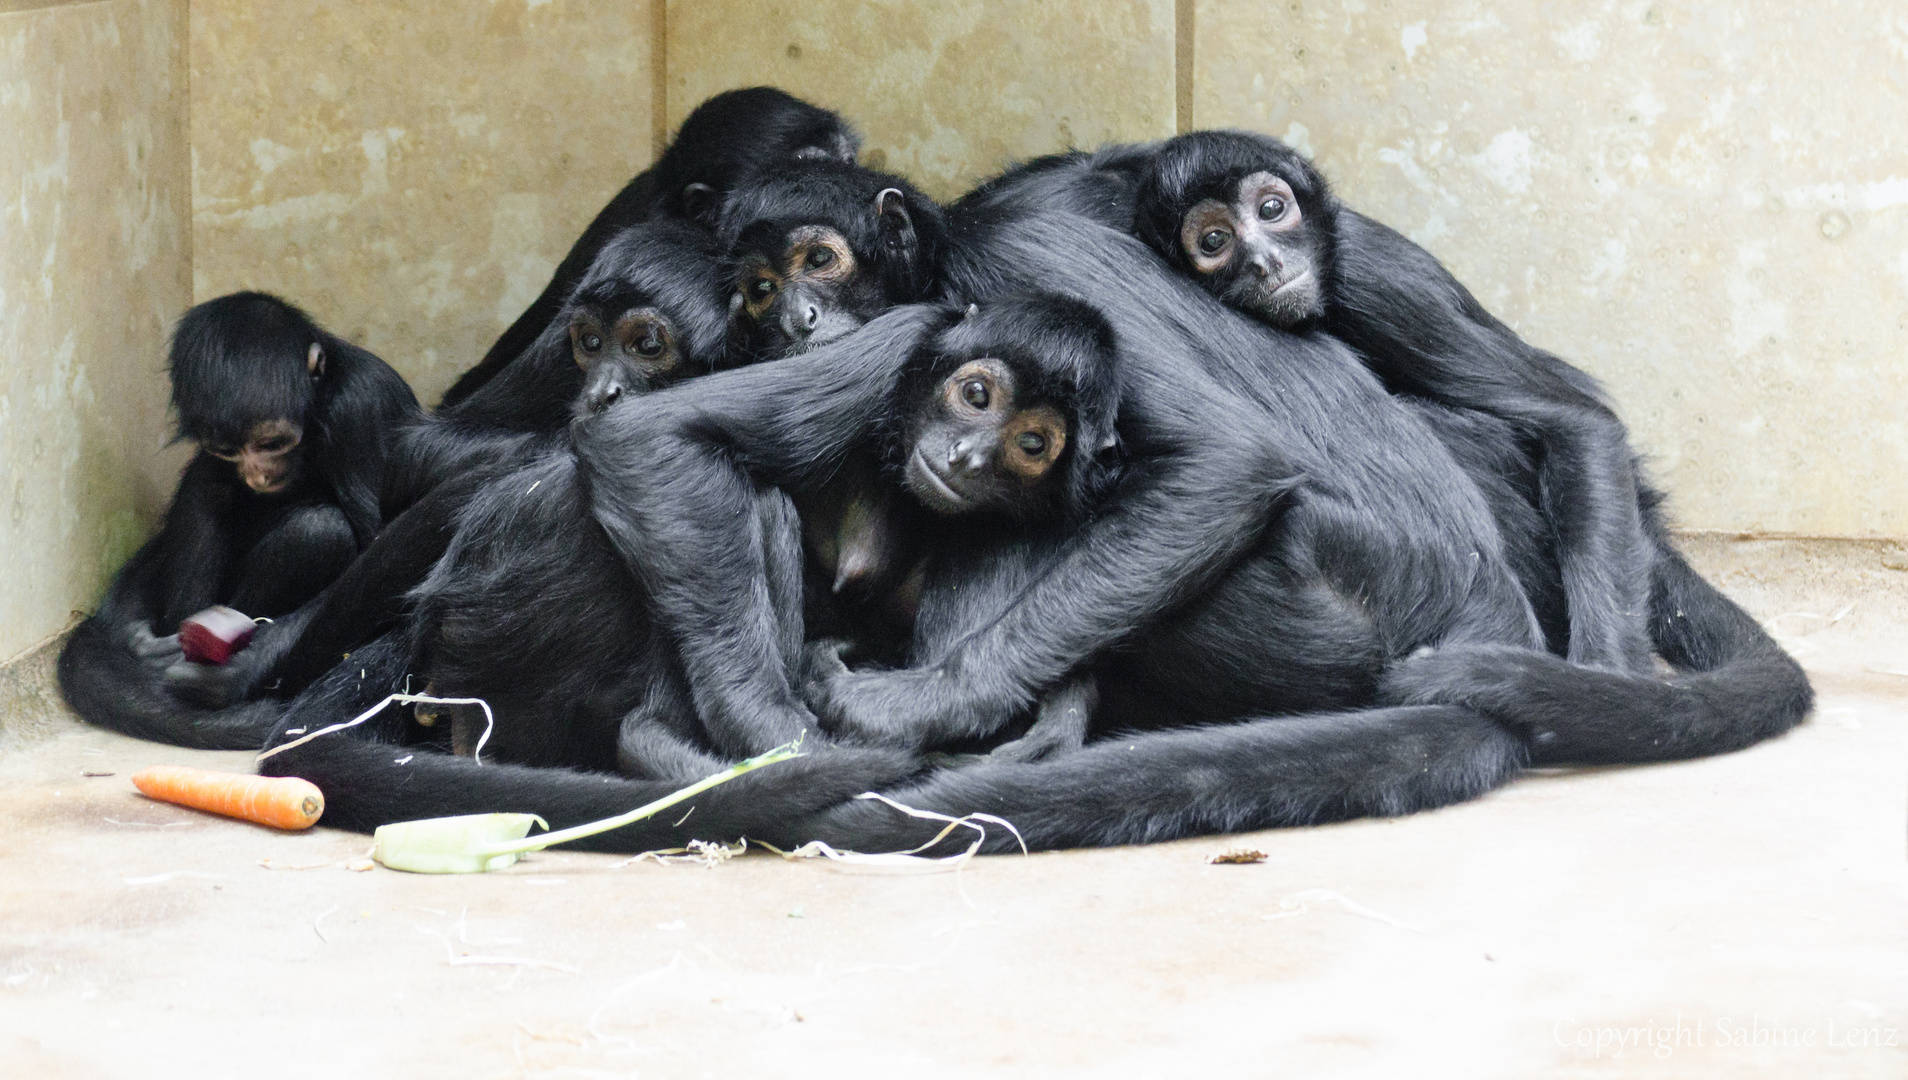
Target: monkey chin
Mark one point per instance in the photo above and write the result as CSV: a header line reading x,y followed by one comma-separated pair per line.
x,y
934,492
1288,304
276,484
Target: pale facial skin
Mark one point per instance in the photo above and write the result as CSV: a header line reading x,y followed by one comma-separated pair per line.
x,y
1255,252
816,263
267,460
979,450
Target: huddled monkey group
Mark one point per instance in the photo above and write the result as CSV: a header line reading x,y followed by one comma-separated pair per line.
x,y
1138,493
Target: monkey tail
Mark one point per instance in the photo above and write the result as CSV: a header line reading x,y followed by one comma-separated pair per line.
x,y
1733,687
107,684
1254,774
370,779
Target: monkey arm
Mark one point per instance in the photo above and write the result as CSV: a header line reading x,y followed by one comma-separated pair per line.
x,y
1179,520
1423,333
673,478
436,450
197,545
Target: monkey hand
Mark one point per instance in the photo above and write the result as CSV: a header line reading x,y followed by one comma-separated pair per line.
x,y
912,708
160,652
1037,745
209,686
1500,681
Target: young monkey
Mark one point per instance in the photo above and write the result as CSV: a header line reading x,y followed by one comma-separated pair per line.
x,y
293,427
1001,436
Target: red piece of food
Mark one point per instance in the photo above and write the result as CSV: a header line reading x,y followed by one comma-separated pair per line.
x,y
215,634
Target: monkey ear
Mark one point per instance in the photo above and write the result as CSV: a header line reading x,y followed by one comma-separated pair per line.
x,y
700,201
892,208
315,360
894,224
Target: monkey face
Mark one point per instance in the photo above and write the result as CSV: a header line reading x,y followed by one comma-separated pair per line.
x,y
975,447
268,460
634,351
805,291
1256,252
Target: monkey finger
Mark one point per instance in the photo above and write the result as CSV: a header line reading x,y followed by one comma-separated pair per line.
x,y
163,651
208,686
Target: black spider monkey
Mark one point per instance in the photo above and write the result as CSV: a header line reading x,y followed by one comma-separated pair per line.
x,y
293,427
1207,444
532,610
725,139
1258,226
581,680
1000,434
1379,546
648,312
818,249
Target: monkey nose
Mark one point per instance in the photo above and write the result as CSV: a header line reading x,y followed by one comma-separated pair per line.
x,y
967,456
800,322
605,397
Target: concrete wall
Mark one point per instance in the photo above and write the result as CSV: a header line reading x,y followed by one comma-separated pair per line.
x,y
944,93
411,173
1705,205
94,256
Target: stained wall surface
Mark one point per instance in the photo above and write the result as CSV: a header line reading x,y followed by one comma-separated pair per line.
x,y
411,173
1704,204
94,250
944,93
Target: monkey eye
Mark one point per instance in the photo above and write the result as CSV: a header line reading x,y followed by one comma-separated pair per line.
x,y
1214,241
650,344
761,289
1272,209
819,257
974,392
1031,443
222,450
274,445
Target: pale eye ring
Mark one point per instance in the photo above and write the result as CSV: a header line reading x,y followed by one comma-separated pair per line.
x,y
974,392
1272,209
1031,443
1213,241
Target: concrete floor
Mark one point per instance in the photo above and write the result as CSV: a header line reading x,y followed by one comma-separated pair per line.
x,y
1745,914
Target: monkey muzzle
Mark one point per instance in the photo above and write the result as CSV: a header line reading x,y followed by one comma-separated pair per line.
x,y
267,474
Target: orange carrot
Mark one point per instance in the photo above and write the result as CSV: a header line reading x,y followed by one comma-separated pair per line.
x,y
284,802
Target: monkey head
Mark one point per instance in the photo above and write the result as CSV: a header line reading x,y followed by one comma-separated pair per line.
x,y
265,454
737,132
820,247
1009,411
647,313
246,369
1245,215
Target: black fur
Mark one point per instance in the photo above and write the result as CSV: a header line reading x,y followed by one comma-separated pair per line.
x,y
236,362
377,773
1380,544
1541,439
725,139
444,460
